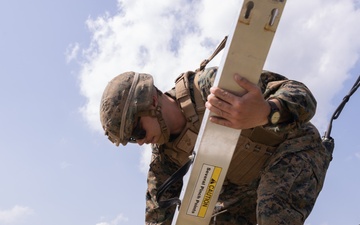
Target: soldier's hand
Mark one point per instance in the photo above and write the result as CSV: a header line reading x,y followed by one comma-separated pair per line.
x,y
240,112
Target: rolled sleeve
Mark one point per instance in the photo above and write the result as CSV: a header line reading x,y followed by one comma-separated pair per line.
x,y
297,99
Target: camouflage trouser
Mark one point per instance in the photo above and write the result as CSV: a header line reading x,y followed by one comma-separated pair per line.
x,y
285,194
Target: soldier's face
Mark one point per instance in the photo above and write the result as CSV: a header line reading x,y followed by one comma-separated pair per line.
x,y
152,128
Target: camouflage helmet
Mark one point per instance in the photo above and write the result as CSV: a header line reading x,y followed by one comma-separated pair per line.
x,y
123,99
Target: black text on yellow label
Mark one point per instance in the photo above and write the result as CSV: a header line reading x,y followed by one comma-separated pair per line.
x,y
204,190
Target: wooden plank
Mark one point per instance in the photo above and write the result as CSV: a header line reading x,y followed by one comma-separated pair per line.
x,y
245,53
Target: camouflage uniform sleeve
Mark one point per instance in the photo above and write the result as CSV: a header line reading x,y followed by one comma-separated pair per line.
x,y
206,81
161,168
294,96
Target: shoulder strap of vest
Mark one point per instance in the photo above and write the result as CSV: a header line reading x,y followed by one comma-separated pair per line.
x,y
182,88
183,91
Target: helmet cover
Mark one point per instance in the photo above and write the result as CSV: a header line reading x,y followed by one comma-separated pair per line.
x,y
123,98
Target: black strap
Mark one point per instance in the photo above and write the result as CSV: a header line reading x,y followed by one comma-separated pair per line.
x,y
179,174
328,141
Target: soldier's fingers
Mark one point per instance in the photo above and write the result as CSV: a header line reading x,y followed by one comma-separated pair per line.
x,y
221,121
217,110
223,94
219,103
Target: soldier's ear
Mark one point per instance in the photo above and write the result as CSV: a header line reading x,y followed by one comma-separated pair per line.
x,y
157,95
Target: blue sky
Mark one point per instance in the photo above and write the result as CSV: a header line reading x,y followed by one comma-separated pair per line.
x,y
57,167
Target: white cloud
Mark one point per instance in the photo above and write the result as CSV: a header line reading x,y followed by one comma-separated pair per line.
x,y
316,43
145,159
162,38
120,219
72,52
15,214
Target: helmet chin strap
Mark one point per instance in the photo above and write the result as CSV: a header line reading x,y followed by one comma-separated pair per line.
x,y
165,133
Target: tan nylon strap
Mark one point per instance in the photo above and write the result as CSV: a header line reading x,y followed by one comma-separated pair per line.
x,y
183,96
182,87
217,50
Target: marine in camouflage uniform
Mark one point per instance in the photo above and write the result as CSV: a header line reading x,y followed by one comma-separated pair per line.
x,y
276,173
287,184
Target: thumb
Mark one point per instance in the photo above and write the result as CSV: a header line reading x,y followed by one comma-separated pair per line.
x,y
244,83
